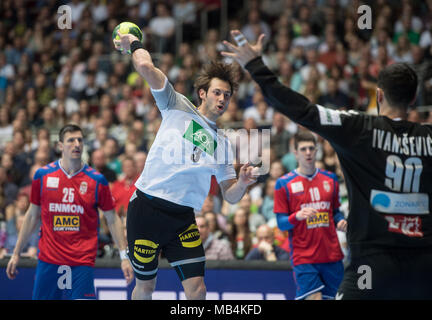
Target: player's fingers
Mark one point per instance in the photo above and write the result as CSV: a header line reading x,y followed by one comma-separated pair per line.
x,y
344,226
230,46
309,212
228,54
260,41
240,39
128,276
11,271
235,33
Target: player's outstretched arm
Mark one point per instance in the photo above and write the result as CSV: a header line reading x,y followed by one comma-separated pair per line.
x,y
143,62
282,98
116,229
31,221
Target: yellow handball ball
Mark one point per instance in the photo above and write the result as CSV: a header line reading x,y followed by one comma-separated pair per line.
x,y
125,28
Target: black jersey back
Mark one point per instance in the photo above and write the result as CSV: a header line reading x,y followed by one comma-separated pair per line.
x,y
387,166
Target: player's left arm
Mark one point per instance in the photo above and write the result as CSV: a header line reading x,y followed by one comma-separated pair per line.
x,y
31,221
338,216
234,189
116,228
340,221
339,127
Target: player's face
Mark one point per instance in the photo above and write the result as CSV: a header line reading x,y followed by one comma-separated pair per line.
x,y
72,145
216,99
306,153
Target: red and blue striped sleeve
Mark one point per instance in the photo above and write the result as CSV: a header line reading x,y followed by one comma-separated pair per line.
x,y
282,209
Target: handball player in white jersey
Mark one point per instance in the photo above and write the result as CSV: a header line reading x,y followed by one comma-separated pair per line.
x,y
186,152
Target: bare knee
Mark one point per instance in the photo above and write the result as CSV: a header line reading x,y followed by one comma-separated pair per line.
x,y
143,289
195,288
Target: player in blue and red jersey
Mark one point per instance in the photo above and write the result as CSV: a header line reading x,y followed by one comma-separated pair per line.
x,y
65,196
306,203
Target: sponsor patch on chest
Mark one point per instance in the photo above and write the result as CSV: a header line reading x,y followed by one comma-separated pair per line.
x,y
83,187
321,219
66,223
406,225
297,187
52,182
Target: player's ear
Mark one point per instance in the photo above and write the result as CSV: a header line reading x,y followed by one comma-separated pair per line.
x,y
380,95
202,94
60,146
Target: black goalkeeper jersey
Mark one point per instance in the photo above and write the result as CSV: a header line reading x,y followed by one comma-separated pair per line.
x,y
387,166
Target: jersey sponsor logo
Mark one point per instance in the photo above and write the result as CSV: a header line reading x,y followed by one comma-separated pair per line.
x,y
320,205
321,219
297,187
200,137
83,188
329,117
145,250
326,186
190,238
409,226
65,208
404,203
52,182
66,223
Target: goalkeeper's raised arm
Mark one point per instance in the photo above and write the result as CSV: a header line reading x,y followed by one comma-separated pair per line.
x,y
142,60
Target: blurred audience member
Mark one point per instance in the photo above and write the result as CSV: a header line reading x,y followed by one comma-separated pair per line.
x,y
215,249
266,249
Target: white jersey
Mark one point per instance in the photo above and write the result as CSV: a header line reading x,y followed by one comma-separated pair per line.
x,y
186,152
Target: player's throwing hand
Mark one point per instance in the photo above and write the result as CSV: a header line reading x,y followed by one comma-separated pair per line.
x,y
125,41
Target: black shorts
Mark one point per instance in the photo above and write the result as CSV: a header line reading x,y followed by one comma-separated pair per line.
x,y
154,224
402,275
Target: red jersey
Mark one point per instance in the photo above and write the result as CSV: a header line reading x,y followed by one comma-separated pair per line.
x,y
312,240
69,215
122,192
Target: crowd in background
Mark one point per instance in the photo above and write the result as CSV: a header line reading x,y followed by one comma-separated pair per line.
x,y
51,76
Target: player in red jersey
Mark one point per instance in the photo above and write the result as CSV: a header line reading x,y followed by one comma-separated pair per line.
x,y
65,196
306,203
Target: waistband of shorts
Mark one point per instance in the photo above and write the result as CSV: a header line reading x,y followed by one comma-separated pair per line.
x,y
164,204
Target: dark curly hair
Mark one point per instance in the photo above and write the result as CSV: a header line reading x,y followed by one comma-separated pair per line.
x,y
216,69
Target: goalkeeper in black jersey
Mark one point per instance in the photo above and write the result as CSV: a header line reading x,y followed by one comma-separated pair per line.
x,y
387,164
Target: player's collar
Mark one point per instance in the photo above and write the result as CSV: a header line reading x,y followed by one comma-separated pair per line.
x,y
213,123
74,174
305,176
